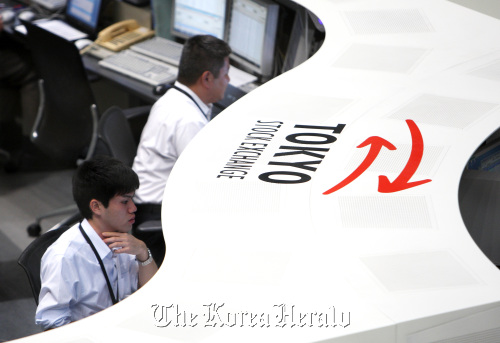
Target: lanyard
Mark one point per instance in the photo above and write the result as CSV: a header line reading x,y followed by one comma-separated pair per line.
x,y
111,293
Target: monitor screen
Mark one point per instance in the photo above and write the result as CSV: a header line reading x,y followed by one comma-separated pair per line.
x,y
252,34
193,17
84,14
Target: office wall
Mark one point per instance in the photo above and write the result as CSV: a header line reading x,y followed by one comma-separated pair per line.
x,y
123,11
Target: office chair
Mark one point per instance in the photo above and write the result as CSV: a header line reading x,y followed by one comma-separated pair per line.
x,y
31,257
117,139
66,125
65,128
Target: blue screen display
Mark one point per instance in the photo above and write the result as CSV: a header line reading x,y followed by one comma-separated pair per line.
x,y
84,11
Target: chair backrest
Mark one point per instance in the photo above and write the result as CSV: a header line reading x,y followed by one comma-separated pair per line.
x,y
64,126
31,256
115,137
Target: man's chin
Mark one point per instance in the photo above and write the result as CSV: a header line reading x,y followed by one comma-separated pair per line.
x,y
125,228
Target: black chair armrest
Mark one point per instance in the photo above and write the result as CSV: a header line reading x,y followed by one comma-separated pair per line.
x,y
149,226
135,112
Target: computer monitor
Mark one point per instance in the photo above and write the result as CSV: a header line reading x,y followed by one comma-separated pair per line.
x,y
193,17
306,36
252,35
84,15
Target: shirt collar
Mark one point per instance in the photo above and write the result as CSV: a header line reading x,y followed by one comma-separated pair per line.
x,y
207,109
102,248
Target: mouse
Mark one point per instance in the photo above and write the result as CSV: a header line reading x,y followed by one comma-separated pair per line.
x,y
8,16
82,43
26,15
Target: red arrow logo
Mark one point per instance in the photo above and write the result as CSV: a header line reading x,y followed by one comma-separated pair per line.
x,y
402,181
376,143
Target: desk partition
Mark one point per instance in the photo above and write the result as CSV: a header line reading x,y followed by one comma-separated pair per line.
x,y
323,206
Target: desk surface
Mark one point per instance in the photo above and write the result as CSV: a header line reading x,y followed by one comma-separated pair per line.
x,y
280,222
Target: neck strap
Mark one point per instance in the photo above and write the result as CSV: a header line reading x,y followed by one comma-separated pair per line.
x,y
111,293
190,97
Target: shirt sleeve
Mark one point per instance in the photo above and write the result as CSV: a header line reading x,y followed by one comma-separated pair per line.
x,y
56,293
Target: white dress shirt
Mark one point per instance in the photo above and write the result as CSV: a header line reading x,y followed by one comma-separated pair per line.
x,y
174,120
73,284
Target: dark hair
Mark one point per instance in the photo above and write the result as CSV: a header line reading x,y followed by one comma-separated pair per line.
x,y
101,178
201,53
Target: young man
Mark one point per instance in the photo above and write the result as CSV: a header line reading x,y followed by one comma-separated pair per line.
x,y
74,285
174,120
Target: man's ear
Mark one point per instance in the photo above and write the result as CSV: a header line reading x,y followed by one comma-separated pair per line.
x,y
206,78
96,206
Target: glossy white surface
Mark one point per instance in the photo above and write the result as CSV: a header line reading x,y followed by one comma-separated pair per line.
x,y
399,266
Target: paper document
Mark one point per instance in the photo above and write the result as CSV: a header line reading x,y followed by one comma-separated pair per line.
x,y
62,29
238,77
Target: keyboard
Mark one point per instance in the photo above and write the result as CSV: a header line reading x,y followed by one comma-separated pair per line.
x,y
52,5
160,48
140,67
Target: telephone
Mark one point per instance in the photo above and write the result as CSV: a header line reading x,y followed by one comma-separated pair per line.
x,y
121,35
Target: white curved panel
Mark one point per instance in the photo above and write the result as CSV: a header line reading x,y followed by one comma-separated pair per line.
x,y
256,251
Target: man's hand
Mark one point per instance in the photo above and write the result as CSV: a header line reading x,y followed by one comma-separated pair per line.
x,y
126,244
